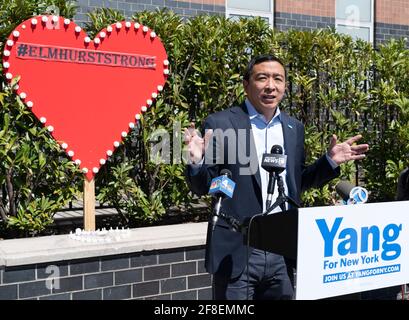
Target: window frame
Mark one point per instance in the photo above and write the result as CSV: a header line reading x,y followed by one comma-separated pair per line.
x,y
251,13
358,24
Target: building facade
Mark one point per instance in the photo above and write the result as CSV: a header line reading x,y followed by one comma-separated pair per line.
x,y
375,21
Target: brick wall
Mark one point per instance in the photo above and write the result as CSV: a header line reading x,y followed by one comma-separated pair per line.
x,y
128,7
173,274
320,8
392,20
285,21
393,12
391,16
304,15
386,31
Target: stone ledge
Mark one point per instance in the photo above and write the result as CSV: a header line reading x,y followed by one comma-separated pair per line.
x,y
15,252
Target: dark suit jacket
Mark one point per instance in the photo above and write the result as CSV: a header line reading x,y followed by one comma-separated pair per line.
x,y
403,186
225,251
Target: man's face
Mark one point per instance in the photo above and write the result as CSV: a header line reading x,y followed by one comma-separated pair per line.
x,y
266,87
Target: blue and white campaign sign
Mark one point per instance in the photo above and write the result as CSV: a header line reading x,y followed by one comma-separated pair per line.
x,y
355,248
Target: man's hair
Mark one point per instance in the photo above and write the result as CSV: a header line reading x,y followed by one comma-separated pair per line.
x,y
260,59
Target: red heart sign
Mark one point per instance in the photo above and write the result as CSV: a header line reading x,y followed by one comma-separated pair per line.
x,y
88,93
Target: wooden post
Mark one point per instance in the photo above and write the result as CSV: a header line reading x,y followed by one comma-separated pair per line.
x,y
89,204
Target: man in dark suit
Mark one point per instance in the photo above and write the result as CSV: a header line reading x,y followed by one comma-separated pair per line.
x,y
235,139
402,192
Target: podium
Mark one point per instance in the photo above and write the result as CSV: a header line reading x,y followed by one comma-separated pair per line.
x,y
274,233
339,249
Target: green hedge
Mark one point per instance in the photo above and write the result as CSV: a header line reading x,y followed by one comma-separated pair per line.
x,y
336,85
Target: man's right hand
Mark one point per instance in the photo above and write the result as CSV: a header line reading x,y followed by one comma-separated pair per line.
x,y
196,144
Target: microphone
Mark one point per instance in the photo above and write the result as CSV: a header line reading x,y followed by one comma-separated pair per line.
x,y
275,163
221,187
351,194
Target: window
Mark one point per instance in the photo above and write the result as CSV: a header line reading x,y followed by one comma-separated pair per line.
x,y
245,8
355,18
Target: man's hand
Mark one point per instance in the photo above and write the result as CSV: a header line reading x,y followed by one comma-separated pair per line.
x,y
348,150
196,144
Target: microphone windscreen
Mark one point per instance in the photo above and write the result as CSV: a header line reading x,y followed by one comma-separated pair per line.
x,y
222,186
343,188
277,149
225,172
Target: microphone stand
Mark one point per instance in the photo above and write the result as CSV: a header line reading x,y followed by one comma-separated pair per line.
x,y
216,212
270,188
215,217
234,224
282,198
237,226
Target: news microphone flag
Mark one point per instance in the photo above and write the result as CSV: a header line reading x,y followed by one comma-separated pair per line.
x,y
222,185
358,195
274,162
351,194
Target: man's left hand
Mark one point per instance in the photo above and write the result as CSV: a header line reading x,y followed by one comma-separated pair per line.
x,y
348,150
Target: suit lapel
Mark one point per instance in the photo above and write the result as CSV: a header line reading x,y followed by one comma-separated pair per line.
x,y
290,141
240,120
287,132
